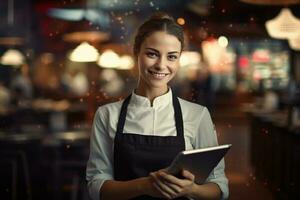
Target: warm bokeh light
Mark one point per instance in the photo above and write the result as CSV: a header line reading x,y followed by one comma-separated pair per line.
x,y
47,58
284,25
12,57
109,59
261,56
126,62
84,53
223,41
189,58
181,21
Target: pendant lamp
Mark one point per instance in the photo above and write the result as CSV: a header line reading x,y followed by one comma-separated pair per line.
x,y
12,57
283,26
109,59
84,53
126,62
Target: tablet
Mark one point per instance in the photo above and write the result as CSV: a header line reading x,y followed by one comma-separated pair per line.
x,y
199,162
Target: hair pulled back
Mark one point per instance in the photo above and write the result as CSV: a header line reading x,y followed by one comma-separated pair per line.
x,y
159,21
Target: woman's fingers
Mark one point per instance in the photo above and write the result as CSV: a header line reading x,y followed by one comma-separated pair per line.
x,y
171,179
164,187
165,194
177,189
188,175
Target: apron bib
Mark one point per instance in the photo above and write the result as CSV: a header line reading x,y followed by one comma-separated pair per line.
x,y
136,155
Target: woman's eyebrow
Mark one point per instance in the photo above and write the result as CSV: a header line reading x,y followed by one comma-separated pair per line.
x,y
149,48
152,49
172,52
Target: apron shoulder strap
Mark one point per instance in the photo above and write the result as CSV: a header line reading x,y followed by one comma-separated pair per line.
x,y
178,116
122,116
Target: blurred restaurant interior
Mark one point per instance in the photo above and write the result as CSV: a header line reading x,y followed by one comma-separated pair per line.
x,y
61,59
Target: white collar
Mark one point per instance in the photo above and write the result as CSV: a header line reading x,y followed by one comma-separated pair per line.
x,y
160,101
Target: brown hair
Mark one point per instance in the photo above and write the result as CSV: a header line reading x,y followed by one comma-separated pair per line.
x,y
159,21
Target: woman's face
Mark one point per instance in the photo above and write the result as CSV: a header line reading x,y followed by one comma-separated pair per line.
x,y
158,59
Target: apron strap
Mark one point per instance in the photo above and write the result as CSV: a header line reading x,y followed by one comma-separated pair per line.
x,y
122,116
178,116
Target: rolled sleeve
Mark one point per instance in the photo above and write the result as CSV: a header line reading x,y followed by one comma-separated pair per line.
x,y
99,166
207,137
218,176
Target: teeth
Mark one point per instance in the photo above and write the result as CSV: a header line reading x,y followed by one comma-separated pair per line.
x,y
158,74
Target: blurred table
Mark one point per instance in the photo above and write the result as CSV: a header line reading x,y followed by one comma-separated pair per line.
x,y
49,115
275,152
56,161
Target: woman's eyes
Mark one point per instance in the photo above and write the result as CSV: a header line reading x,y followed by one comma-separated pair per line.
x,y
153,55
172,57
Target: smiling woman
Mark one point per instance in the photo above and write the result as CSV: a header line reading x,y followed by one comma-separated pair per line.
x,y
158,62
134,140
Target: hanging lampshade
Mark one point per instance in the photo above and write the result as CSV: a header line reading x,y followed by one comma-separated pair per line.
x,y
84,53
12,57
109,59
283,26
126,62
295,43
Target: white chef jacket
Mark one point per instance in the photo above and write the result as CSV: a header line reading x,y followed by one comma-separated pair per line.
x,y
142,118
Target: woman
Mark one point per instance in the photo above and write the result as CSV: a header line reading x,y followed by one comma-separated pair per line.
x,y
134,140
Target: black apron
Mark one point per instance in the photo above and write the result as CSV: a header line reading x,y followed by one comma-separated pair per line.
x,y
136,155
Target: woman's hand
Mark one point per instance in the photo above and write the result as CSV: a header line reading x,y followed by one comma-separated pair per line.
x,y
168,186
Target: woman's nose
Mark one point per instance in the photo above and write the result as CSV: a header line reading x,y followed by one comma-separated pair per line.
x,y
161,63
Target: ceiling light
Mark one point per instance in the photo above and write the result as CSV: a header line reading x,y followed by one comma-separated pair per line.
x,y
284,25
126,62
181,21
12,57
109,59
84,53
223,41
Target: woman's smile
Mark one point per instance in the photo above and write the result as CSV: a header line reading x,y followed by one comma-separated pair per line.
x,y
158,75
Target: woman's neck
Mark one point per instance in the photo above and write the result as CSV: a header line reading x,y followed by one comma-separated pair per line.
x,y
151,93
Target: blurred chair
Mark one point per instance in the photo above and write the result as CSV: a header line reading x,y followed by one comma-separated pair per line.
x,y
66,154
23,149
15,180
